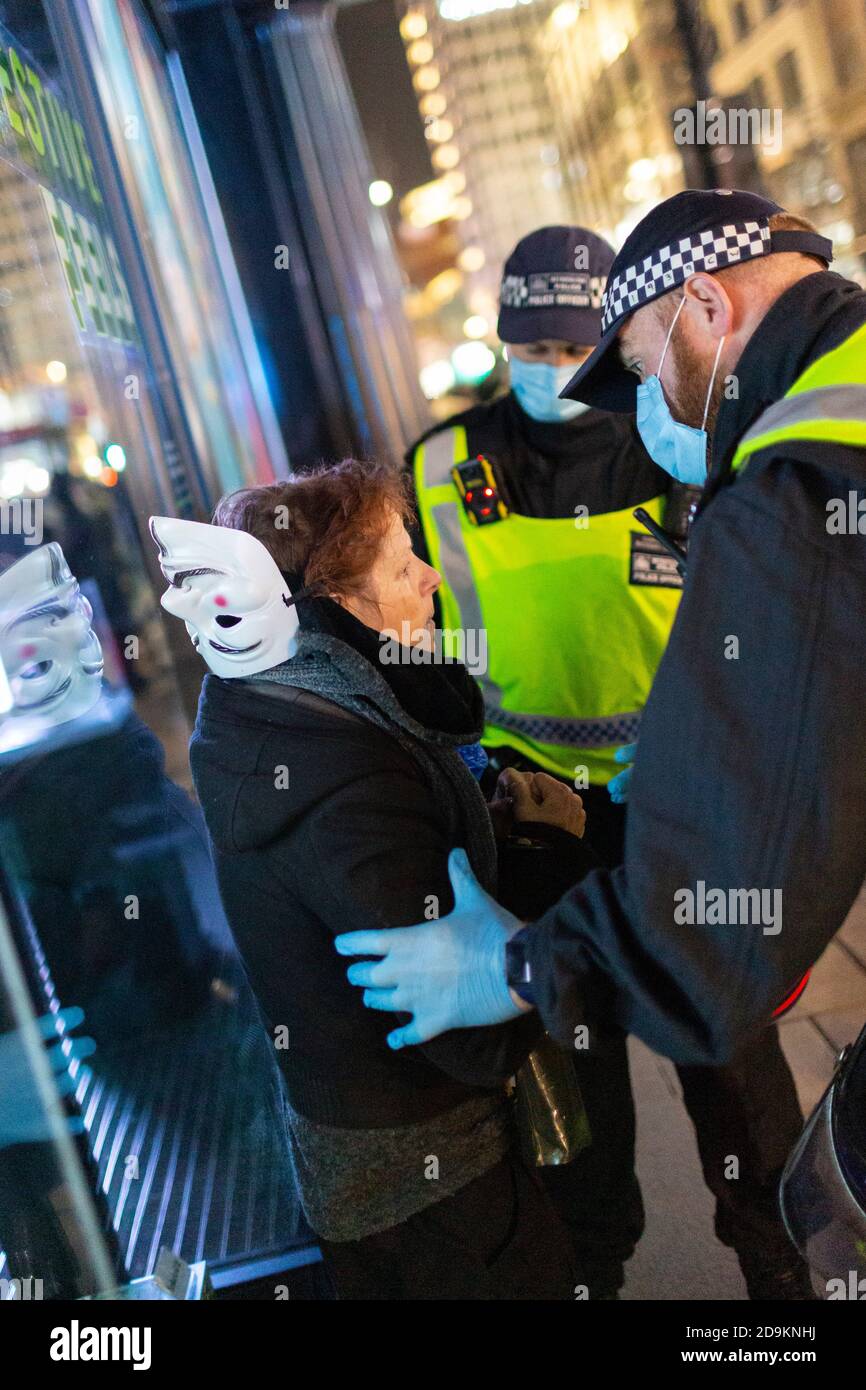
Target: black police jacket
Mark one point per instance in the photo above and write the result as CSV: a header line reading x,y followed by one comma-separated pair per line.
x,y
746,840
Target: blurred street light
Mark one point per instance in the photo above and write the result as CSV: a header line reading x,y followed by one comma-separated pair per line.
x,y
38,479
413,25
431,202
472,362
419,52
471,258
380,192
444,286
445,157
565,15
437,378
476,326
439,131
426,79
432,104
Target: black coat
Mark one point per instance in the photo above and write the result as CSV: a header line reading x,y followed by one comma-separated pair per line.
x,y
751,769
353,841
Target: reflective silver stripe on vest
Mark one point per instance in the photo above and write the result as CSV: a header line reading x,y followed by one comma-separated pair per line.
x,y
822,403
610,731
458,574
438,458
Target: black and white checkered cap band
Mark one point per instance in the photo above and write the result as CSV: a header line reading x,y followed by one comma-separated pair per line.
x,y
556,289
671,265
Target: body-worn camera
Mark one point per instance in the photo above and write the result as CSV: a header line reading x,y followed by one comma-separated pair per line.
x,y
479,492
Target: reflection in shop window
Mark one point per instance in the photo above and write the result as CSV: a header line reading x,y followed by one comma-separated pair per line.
x,y
74,420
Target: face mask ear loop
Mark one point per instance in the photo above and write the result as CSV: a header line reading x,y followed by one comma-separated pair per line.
x,y
712,379
668,338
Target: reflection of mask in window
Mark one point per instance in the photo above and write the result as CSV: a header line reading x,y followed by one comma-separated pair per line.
x,y
227,589
51,655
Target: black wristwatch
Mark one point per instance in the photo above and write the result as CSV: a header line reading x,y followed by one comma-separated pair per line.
x,y
518,972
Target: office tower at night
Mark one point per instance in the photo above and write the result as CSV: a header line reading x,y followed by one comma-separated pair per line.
x,y
478,71
614,72
804,60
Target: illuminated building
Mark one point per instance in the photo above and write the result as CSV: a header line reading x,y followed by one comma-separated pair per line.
x,y
478,71
805,61
615,71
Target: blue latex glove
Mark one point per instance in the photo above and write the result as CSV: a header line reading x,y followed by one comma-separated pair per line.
x,y
22,1115
448,973
618,786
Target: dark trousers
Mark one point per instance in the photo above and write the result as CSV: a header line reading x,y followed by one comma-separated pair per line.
x,y
497,1238
746,1111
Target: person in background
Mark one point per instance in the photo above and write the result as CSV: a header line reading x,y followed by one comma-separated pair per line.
x,y
575,599
577,602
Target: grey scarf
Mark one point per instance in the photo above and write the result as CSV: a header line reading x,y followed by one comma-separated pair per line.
x,y
332,669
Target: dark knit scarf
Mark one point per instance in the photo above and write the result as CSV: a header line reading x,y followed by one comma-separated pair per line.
x,y
431,709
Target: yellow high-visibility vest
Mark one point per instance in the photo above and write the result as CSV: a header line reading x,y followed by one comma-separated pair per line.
x,y
573,615
826,402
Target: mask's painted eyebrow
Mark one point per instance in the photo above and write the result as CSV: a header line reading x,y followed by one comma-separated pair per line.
x,y
177,579
40,610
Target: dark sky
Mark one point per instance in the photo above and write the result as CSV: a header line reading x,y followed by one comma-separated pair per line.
x,y
375,58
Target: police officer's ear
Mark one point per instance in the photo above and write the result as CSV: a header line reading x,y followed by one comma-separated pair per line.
x,y
710,307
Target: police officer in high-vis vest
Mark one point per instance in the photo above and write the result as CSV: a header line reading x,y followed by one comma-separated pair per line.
x,y
526,508
576,601
744,360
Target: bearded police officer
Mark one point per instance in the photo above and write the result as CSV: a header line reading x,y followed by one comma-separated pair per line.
x,y
746,841
577,603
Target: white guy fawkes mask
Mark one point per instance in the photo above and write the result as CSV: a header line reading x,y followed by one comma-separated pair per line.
x,y
51,655
227,589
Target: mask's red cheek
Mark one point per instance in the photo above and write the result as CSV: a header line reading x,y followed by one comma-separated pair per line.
x,y
221,601
27,651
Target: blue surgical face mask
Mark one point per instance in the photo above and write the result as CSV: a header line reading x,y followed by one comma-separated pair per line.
x,y
679,449
537,386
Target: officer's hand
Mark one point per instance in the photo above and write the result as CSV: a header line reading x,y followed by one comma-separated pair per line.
x,y
618,786
446,974
537,797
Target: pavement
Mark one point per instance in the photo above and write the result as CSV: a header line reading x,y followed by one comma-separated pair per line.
x,y
679,1256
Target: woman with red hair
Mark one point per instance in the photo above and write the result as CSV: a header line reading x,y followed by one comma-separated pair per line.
x,y
334,786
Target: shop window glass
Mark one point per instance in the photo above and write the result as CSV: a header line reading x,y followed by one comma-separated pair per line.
x,y
231,421
108,900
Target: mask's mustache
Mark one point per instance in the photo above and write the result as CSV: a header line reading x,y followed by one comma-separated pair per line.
x,y
231,651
